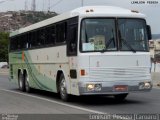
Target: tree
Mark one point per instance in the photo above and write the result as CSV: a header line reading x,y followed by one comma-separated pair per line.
x,y
4,41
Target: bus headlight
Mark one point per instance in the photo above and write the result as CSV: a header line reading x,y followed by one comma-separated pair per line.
x,y
90,87
145,85
98,87
94,87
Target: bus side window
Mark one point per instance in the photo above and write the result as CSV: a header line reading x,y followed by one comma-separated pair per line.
x,y
52,34
61,32
72,42
72,31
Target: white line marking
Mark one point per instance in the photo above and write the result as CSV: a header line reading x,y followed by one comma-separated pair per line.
x,y
53,101
156,88
60,103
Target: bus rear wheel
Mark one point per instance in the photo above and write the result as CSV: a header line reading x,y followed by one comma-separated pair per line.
x,y
21,82
63,89
27,87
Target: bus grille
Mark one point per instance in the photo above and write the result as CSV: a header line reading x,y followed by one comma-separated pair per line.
x,y
108,74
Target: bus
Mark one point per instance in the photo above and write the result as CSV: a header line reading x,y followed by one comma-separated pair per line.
x,y
91,50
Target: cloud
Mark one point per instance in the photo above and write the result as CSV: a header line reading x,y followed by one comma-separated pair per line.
x,y
2,2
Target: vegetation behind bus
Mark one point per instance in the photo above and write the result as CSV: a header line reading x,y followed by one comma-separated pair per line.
x,y
4,36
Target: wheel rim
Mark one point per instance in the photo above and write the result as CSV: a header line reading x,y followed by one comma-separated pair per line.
x,y
27,86
63,87
20,81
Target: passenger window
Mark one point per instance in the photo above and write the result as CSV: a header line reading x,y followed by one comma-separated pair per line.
x,y
61,32
33,39
72,35
51,35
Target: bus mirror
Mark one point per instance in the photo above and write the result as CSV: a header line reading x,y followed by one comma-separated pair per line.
x,y
149,32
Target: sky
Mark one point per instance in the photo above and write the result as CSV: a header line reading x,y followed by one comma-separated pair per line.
x,y
152,11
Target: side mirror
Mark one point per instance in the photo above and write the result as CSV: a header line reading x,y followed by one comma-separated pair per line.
x,y
149,34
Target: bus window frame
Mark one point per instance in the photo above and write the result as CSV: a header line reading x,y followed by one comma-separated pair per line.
x,y
80,42
118,41
42,46
72,24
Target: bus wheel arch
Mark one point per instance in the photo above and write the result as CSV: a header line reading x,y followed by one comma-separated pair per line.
x,y
59,73
61,86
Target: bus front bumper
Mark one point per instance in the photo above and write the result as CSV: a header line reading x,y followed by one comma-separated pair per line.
x,y
113,88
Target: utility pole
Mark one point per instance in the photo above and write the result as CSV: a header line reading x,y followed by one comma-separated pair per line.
x,y
43,5
48,5
33,8
26,5
82,3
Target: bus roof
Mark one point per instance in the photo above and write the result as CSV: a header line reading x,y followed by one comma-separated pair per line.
x,y
86,11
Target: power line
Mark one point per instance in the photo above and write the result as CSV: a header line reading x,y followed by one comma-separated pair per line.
x,y
56,3
5,1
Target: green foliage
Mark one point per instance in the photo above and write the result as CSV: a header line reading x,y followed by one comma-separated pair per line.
x,y
4,41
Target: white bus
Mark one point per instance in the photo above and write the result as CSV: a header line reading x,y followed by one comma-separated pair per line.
x,y
92,50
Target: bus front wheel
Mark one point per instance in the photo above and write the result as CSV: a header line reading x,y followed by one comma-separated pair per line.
x,y
63,89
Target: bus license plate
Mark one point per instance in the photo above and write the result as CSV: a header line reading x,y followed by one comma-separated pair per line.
x,y
121,88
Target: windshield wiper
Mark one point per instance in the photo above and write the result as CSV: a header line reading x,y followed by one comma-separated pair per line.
x,y
128,45
107,45
109,42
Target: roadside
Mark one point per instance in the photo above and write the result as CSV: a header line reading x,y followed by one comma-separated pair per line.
x,y
155,77
4,71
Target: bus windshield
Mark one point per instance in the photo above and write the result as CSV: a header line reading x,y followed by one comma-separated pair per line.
x,y
103,35
132,34
98,35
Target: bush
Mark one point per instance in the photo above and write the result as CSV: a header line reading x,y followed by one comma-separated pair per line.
x,y
4,41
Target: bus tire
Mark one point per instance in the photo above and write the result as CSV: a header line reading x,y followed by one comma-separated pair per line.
x,y
63,89
120,97
27,87
21,83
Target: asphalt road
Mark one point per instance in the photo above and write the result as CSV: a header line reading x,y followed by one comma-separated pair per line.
x,y
40,102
